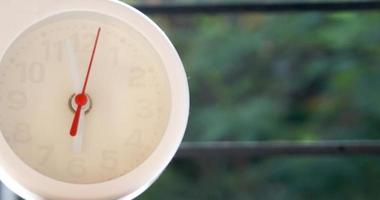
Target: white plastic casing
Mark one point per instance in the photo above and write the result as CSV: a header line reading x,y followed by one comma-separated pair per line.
x,y
15,17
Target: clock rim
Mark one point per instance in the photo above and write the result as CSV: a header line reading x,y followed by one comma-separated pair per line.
x,y
30,184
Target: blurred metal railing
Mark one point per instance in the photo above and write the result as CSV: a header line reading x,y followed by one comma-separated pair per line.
x,y
277,148
223,8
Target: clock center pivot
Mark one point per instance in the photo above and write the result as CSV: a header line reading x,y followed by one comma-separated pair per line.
x,y
83,100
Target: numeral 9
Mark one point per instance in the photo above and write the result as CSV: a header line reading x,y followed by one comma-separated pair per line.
x,y
16,100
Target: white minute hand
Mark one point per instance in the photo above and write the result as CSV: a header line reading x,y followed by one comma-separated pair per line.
x,y
76,84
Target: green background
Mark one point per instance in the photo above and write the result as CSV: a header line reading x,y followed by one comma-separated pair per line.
x,y
277,76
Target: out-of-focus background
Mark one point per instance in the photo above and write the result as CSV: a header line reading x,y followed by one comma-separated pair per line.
x,y
298,76
295,76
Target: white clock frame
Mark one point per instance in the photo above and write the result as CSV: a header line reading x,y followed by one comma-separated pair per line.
x,y
17,16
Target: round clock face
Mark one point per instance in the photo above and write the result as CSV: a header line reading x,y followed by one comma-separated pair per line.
x,y
124,115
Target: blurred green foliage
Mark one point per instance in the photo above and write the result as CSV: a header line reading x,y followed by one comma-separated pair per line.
x,y
304,76
289,76
284,178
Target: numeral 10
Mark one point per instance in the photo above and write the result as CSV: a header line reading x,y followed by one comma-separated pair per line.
x,y
34,73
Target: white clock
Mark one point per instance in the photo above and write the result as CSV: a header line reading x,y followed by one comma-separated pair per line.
x,y
93,99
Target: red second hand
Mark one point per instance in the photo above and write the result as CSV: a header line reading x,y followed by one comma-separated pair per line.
x,y
81,99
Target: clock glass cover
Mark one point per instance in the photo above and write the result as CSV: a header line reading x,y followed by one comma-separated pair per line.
x,y
129,100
